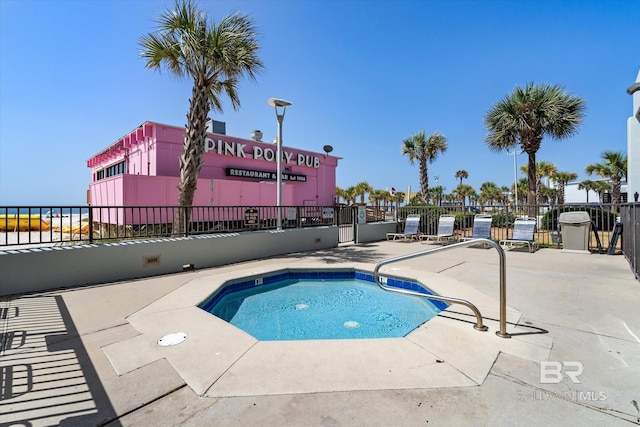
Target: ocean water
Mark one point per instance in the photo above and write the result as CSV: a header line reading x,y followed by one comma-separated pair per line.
x,y
44,211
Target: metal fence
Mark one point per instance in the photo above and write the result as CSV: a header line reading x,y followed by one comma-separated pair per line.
x,y
630,219
503,216
47,226
52,225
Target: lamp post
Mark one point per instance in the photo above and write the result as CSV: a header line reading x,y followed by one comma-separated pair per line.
x,y
279,103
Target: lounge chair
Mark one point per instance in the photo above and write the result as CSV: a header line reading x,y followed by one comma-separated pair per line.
x,y
445,231
523,233
481,228
410,229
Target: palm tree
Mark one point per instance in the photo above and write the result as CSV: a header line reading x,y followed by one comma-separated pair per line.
x,y
543,169
340,194
361,189
600,187
350,195
398,198
463,191
505,195
523,185
526,116
435,193
562,178
587,185
490,192
425,150
462,174
215,57
613,167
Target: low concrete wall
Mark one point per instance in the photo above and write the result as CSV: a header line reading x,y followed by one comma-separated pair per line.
x,y
28,270
374,231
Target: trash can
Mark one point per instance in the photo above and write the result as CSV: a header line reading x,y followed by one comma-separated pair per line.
x,y
575,228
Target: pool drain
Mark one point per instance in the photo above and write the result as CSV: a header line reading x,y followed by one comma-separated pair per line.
x,y
172,339
351,324
302,306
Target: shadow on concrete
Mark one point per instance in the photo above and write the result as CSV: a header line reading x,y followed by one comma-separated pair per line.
x,y
46,373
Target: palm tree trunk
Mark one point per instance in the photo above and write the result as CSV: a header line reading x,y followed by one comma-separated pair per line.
x,y
615,194
532,181
424,180
191,160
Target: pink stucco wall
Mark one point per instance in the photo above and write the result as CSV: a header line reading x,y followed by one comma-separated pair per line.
x,y
151,178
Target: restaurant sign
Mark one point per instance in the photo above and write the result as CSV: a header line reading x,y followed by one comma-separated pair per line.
x,y
236,149
258,174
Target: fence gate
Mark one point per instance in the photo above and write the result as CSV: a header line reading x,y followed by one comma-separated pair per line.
x,y
347,217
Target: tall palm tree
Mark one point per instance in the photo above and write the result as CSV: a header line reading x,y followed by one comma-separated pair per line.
x,y
340,194
562,178
600,187
463,191
375,197
526,116
399,198
505,195
350,195
586,185
523,185
490,192
214,56
543,169
425,150
462,174
435,193
613,167
361,189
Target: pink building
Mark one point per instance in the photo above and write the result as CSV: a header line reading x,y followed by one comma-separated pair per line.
x,y
142,169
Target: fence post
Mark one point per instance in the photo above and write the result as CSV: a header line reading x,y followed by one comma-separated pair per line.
x,y
90,225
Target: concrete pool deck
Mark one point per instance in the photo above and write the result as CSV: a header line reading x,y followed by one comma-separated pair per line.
x,y
89,355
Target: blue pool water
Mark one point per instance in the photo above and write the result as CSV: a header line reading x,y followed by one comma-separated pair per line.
x,y
320,307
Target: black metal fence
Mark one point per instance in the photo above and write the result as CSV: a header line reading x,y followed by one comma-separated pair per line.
x,y
44,226
547,231
51,225
630,219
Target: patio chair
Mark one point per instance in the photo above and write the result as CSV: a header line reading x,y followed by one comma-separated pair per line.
x,y
523,233
481,228
445,231
410,229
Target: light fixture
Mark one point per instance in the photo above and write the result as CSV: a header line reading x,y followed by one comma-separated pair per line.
x,y
327,149
279,103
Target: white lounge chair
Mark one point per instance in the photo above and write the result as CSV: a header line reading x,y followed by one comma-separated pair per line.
x,y
410,229
481,228
523,233
445,231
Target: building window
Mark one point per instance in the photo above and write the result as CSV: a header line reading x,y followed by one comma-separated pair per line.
x,y
117,169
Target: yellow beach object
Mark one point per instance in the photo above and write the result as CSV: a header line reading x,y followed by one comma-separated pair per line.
x,y
23,222
80,227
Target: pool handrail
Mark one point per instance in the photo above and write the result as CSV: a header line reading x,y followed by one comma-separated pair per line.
x,y
503,281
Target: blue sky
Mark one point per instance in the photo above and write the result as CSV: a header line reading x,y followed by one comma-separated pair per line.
x,y
362,75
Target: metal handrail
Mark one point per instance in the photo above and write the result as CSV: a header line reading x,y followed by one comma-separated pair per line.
x,y
503,281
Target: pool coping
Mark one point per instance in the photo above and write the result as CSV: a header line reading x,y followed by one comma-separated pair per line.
x,y
219,360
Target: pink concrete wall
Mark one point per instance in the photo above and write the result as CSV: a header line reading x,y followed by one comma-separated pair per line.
x,y
152,152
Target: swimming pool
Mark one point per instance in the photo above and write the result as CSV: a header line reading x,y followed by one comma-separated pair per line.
x,y
324,304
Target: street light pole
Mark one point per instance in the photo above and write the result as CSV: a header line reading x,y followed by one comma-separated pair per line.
x,y
279,103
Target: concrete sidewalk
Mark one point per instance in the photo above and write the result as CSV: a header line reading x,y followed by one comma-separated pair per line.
x,y
88,356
